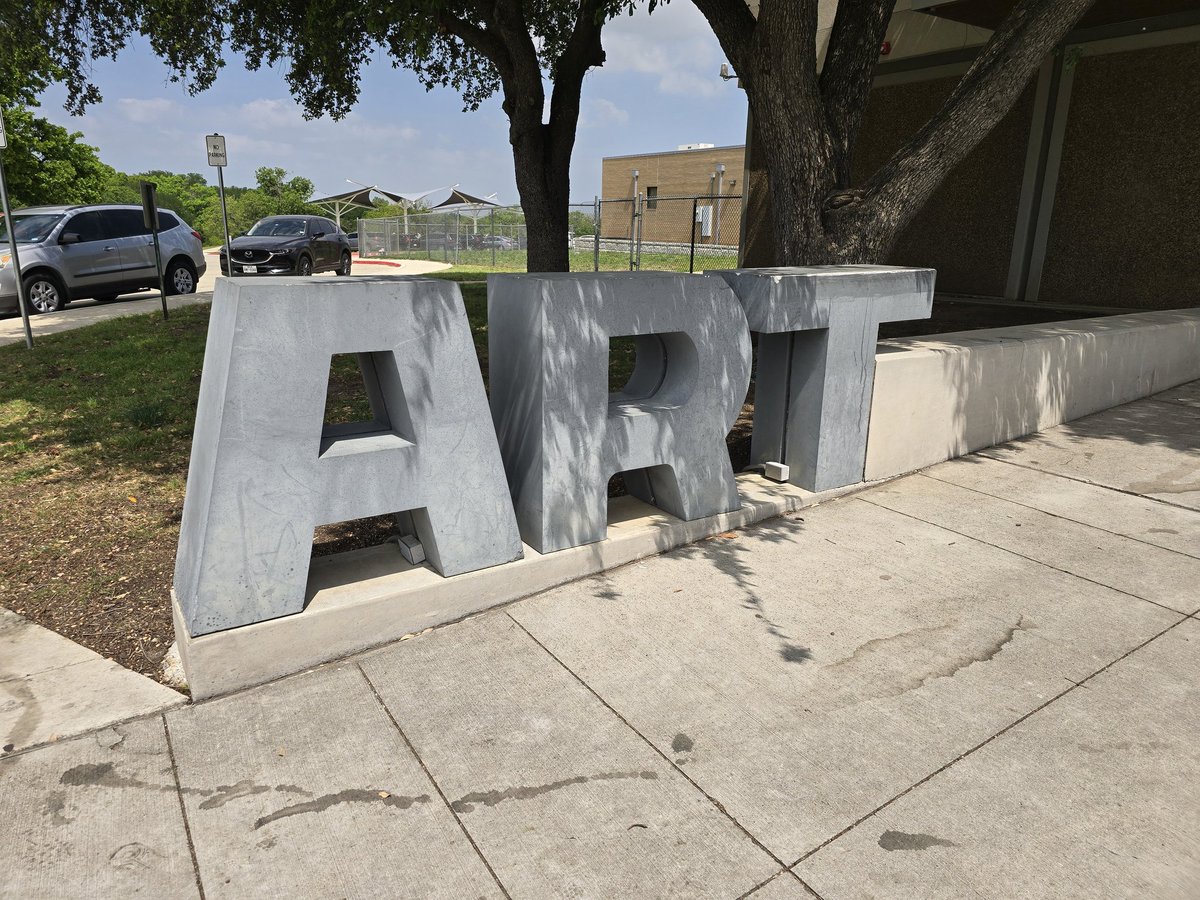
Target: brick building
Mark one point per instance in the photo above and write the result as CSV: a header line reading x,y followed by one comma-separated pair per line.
x,y
697,186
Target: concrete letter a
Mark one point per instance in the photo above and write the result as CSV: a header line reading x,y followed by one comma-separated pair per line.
x,y
264,472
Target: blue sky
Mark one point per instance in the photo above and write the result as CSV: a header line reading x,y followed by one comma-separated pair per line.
x,y
659,88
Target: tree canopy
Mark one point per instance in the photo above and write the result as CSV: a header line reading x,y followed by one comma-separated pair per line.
x,y
514,47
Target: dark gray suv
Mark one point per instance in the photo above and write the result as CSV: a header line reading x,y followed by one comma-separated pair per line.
x,y
74,252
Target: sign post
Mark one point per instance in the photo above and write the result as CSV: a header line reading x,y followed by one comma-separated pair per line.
x,y
12,239
150,220
215,145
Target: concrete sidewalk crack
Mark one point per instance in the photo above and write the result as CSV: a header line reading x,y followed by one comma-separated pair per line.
x,y
720,807
1036,509
1036,562
1096,484
187,828
437,787
1007,728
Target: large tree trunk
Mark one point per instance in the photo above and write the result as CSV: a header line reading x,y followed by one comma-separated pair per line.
x,y
808,123
543,183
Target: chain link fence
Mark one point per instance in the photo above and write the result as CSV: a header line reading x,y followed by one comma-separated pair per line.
x,y
674,234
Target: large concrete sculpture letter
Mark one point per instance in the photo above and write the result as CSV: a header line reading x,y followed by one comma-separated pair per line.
x,y
265,472
817,328
562,435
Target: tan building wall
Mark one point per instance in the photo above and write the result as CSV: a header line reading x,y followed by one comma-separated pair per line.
x,y
668,181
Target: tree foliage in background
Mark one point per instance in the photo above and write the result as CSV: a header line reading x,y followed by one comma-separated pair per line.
x,y
512,47
45,163
807,121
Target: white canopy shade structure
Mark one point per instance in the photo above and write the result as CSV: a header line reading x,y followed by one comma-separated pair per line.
x,y
464,204
336,204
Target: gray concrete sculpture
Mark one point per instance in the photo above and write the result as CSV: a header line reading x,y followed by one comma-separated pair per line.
x,y
817,328
265,472
562,435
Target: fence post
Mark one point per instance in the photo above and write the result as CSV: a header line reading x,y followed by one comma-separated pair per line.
x,y
492,225
641,215
692,241
596,235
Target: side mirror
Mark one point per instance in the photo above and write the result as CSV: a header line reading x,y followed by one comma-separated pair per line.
x,y
68,237
318,234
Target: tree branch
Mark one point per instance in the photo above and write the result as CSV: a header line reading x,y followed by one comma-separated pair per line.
x,y
734,25
978,102
583,51
846,79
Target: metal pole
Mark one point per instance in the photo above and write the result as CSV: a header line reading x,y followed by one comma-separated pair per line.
x,y
225,221
692,253
16,259
162,285
640,216
596,228
492,217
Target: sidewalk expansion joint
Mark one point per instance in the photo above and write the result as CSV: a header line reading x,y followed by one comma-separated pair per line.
x,y
187,828
437,787
1007,728
720,807
1036,562
1107,487
1044,512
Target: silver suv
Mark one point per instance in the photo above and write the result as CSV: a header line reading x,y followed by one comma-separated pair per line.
x,y
73,252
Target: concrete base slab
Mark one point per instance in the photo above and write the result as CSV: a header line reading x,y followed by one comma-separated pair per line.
x,y
95,817
322,767
557,792
1152,449
1186,394
1100,797
1135,568
52,688
369,597
808,670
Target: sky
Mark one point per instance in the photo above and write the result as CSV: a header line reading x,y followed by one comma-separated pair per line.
x,y
658,88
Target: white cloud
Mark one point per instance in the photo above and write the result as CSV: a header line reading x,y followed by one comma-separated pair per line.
x,y
147,110
675,44
601,113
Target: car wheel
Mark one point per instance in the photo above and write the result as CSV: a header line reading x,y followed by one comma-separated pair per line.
x,y
43,293
344,268
180,278
304,266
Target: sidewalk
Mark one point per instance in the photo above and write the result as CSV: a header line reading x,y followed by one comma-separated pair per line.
x,y
979,680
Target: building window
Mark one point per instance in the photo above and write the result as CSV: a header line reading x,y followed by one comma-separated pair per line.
x,y
652,198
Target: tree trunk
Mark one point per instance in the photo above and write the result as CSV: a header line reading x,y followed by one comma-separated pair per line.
x,y
808,124
543,184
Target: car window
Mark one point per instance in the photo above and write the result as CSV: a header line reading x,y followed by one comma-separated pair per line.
x,y
123,223
279,228
166,221
30,229
89,226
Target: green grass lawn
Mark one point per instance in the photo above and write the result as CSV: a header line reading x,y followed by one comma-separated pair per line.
x,y
480,261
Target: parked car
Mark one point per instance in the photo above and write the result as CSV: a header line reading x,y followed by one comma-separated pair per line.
x,y
352,240
76,252
499,241
289,245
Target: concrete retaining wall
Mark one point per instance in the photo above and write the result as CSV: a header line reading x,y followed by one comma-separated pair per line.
x,y
938,399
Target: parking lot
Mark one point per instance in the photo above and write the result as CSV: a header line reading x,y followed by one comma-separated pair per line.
x,y
88,312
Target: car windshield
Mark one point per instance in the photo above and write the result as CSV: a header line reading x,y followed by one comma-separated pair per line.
x,y
30,229
278,228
